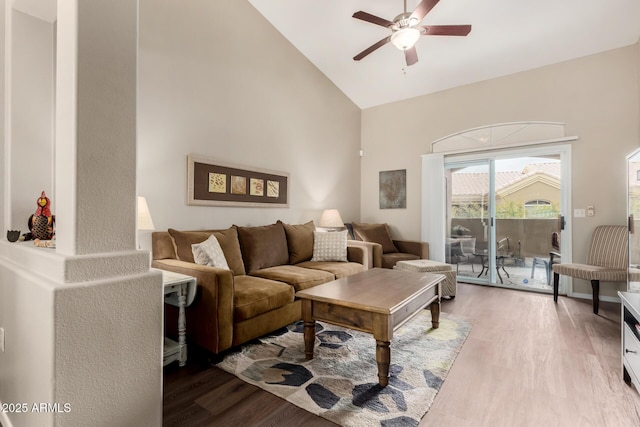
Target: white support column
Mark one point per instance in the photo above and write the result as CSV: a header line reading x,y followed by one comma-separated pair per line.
x,y
96,190
66,123
96,126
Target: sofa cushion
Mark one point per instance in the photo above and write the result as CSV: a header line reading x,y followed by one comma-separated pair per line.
x,y
376,233
390,260
254,296
300,241
330,246
338,269
228,240
209,253
298,277
263,247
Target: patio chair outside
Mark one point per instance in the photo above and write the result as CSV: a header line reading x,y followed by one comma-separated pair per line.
x,y
460,251
554,258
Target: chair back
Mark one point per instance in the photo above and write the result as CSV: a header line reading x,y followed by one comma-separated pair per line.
x,y
555,240
504,247
609,247
468,245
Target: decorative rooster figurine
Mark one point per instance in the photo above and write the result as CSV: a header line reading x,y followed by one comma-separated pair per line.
x,y
41,223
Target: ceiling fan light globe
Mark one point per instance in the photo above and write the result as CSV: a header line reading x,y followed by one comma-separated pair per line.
x,y
405,38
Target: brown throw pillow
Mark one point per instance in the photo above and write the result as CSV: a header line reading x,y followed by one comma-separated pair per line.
x,y
184,240
263,247
300,241
228,240
376,233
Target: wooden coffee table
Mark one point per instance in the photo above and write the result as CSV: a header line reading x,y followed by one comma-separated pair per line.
x,y
376,301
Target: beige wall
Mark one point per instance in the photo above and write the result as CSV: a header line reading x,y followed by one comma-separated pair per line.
x,y
210,87
32,118
596,96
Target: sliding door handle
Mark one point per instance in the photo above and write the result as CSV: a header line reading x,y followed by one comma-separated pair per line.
x,y
561,222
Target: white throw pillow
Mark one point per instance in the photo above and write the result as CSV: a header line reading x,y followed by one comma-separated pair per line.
x,y
209,253
330,246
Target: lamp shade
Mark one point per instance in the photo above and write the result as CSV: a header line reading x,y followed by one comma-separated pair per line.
x,y
144,216
331,219
405,38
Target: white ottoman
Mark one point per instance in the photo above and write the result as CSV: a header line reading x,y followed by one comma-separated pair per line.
x,y
429,266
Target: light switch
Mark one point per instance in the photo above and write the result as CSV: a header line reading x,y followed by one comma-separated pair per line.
x,y
591,211
1,340
579,213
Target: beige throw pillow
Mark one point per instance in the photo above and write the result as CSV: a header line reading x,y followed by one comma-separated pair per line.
x,y
330,246
209,253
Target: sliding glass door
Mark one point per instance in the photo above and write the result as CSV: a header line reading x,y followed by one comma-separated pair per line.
x,y
468,219
502,217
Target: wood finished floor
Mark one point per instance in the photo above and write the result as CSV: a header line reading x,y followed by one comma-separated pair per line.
x,y
526,362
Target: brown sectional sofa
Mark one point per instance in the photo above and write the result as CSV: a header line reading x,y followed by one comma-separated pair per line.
x,y
256,295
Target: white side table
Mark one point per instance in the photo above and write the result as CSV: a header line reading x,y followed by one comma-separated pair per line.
x,y
179,290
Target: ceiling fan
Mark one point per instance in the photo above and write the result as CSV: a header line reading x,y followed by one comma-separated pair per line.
x,y
406,30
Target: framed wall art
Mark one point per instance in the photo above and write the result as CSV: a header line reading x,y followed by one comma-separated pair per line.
x,y
393,189
214,183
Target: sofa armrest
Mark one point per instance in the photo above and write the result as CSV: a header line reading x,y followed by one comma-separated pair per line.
x,y
413,247
374,252
361,252
210,316
358,253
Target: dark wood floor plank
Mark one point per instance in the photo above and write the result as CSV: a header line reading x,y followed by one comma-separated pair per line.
x,y
227,396
190,415
257,411
180,394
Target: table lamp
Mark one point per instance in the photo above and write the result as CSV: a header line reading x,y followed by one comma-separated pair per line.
x,y
144,216
331,220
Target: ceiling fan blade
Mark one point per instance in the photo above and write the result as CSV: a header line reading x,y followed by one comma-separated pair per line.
x,y
371,48
423,8
364,16
445,30
411,56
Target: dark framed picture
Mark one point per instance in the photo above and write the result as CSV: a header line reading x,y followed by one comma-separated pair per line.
x,y
393,189
215,183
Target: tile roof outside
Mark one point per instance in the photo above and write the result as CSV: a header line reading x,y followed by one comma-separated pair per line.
x,y
466,184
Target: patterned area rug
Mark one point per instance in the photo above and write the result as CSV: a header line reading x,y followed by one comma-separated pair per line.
x,y
341,382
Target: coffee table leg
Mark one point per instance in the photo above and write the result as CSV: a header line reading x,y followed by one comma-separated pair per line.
x,y
309,328
435,314
309,338
383,357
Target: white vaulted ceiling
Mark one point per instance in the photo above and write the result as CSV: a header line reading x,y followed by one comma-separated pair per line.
x,y
507,36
